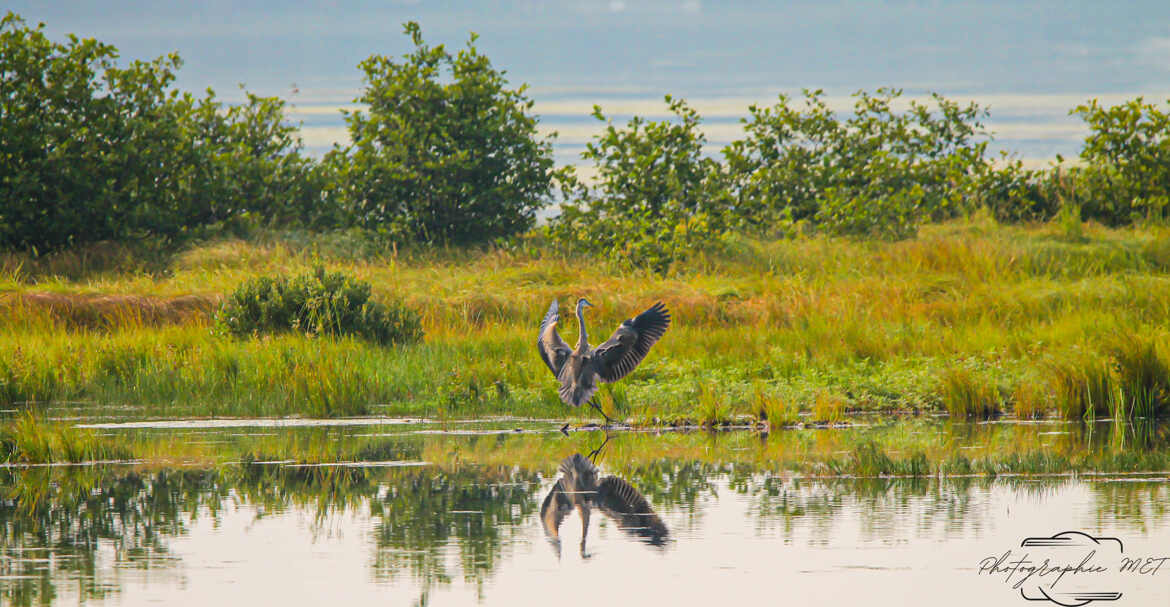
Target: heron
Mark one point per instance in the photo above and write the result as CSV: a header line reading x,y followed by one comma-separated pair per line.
x,y
580,369
579,488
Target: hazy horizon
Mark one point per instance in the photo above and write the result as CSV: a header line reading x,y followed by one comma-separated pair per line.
x,y
1030,64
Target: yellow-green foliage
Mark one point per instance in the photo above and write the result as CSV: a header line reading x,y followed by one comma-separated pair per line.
x,y
318,303
1083,384
965,394
712,405
828,408
29,439
877,321
1143,375
1030,399
773,407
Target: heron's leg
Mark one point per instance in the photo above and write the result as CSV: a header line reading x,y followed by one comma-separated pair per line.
x,y
565,429
594,453
593,403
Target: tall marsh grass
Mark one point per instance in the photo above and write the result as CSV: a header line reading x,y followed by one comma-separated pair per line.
x,y
966,395
1083,385
1143,378
881,325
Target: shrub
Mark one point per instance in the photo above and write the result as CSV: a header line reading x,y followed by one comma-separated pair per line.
x,y
657,200
1127,154
877,172
828,408
320,303
1015,194
92,151
442,157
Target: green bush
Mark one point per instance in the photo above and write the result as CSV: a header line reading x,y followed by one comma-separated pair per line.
x,y
877,172
92,151
657,199
446,153
1127,158
321,303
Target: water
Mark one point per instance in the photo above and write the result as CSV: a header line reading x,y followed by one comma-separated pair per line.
x,y
410,517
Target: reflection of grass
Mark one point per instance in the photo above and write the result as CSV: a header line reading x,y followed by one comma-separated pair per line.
x,y
913,447
28,439
876,323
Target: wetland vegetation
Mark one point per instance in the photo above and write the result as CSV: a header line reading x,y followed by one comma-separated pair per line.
x,y
829,263
972,317
438,510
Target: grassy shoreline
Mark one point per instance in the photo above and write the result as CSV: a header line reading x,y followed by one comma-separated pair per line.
x,y
972,317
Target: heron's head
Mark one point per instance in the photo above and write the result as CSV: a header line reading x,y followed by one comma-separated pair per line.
x,y
583,303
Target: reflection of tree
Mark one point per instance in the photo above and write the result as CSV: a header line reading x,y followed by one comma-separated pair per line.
x,y
423,517
438,524
927,507
1138,505
70,513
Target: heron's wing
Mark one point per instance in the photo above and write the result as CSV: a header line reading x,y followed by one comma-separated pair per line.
x,y
553,350
556,505
622,503
615,358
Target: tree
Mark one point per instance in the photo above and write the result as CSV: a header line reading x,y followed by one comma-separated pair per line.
x,y
446,151
90,151
657,198
1127,156
877,172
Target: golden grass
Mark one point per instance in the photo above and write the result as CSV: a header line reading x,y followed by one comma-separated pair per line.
x,y
875,323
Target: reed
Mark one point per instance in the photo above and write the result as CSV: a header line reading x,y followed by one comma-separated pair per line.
x,y
966,395
1083,384
878,324
828,408
1143,377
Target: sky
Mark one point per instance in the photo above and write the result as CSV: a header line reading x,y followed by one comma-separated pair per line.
x,y
1030,62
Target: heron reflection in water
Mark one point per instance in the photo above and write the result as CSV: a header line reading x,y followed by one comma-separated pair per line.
x,y
580,488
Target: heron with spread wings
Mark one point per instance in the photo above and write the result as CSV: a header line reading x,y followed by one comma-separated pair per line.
x,y
580,488
579,370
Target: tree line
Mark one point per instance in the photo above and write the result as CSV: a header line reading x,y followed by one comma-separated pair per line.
x,y
446,152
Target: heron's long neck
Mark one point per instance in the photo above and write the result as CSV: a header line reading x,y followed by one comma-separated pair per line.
x,y
583,339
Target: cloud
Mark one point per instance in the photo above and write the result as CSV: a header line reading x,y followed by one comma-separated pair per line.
x,y
617,6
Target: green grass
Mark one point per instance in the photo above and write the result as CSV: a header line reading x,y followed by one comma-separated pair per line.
x,y
966,395
968,317
28,439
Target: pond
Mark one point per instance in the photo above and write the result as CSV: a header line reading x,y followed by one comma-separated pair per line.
x,y
415,513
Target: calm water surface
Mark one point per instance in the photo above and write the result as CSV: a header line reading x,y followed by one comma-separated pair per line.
x,y
401,532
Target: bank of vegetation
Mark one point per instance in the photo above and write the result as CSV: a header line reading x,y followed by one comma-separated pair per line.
x,y
184,256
